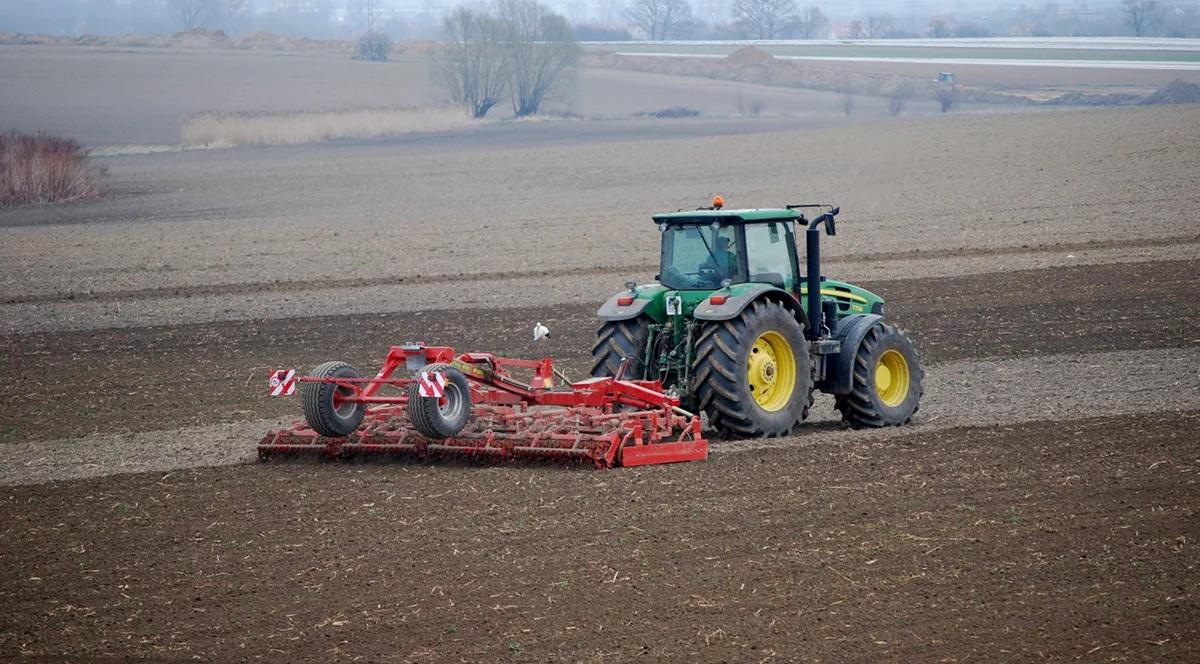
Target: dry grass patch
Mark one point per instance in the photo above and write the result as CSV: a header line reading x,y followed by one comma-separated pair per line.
x,y
291,128
36,168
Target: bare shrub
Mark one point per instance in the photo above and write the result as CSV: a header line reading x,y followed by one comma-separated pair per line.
x,y
374,46
672,113
848,102
900,92
44,169
230,129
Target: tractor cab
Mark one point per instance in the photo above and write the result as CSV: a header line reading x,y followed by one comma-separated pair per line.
x,y
718,249
736,251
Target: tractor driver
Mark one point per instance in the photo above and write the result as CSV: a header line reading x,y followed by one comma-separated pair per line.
x,y
723,262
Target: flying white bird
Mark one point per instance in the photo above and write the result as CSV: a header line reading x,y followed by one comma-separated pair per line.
x,y
540,332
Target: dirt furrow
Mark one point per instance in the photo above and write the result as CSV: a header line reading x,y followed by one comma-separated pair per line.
x,y
298,285
957,394
144,379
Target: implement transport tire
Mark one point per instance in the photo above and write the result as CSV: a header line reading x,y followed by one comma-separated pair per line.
x,y
317,400
888,380
441,418
617,340
753,373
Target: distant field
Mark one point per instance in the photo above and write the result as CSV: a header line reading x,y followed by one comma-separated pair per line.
x,y
921,50
117,98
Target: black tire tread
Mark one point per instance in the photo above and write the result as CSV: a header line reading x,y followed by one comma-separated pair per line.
x,y
716,376
318,407
423,412
858,408
616,340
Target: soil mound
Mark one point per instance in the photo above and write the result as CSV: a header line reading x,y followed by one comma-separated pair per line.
x,y
200,38
1176,92
1086,99
748,56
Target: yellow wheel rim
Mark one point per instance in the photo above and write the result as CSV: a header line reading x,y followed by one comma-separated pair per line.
x,y
891,378
771,371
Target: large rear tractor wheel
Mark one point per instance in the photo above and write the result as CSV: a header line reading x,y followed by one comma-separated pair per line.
x,y
753,373
617,340
438,418
324,413
888,380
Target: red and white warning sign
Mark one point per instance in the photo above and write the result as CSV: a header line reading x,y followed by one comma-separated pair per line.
x,y
431,384
283,382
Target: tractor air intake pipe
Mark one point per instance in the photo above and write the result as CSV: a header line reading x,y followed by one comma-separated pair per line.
x,y
812,240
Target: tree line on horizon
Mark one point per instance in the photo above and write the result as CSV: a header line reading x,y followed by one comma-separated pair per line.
x,y
623,20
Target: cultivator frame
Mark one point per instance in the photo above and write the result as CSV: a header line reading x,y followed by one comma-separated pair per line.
x,y
610,421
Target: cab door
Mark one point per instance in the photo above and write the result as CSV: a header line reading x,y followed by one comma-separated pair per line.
x,y
771,255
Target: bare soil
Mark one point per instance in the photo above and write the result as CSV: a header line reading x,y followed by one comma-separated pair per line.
x,y
381,209
156,378
1039,541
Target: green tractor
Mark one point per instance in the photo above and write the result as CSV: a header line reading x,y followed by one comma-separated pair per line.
x,y
736,330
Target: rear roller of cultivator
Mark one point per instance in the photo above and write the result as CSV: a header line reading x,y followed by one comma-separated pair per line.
x,y
470,404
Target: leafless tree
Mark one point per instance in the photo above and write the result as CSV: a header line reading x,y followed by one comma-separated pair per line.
x,y
764,19
230,11
660,19
901,91
189,12
475,66
1142,15
518,49
540,49
812,23
939,28
857,30
879,26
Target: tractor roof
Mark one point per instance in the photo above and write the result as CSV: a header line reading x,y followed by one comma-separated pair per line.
x,y
727,216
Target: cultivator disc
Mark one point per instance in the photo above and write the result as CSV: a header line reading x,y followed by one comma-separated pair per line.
x,y
609,422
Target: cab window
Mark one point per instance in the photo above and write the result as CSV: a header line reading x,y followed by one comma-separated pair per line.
x,y
769,250
700,256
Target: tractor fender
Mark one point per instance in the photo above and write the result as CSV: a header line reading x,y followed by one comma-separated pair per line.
x,y
610,310
839,369
734,304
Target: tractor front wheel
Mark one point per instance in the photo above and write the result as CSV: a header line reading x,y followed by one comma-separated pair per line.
x,y
888,380
323,411
753,373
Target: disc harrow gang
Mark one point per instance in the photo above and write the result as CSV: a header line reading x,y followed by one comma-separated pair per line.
x,y
609,421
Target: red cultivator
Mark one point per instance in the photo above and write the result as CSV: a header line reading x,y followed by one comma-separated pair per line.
x,y
470,404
